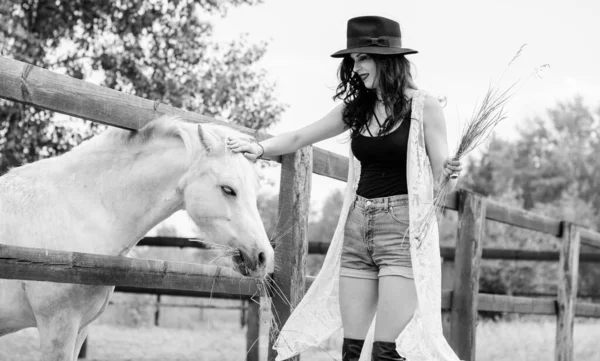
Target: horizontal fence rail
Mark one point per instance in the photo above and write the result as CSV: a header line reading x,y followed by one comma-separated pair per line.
x,y
131,274
496,211
28,84
91,269
186,279
524,305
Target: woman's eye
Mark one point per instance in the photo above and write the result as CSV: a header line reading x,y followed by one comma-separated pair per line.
x,y
228,191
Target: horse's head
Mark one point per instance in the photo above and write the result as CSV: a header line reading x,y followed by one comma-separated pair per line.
x,y
220,194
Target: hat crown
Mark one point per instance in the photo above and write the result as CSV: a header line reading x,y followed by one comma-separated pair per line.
x,y
373,35
372,26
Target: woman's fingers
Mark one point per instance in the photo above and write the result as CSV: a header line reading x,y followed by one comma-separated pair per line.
x,y
241,148
244,147
238,146
452,168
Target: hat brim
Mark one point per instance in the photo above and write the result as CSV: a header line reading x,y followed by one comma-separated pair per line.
x,y
381,50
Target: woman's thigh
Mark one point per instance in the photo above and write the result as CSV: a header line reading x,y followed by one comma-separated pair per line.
x,y
358,301
396,305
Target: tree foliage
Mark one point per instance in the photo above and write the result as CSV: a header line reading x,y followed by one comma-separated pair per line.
x,y
553,169
157,49
554,157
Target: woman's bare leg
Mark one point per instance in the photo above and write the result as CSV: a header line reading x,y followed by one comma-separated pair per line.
x,y
396,306
358,300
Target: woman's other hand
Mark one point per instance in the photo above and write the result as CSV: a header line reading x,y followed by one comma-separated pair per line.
x,y
452,168
250,150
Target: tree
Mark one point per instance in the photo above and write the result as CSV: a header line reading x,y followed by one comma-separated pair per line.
x,y
552,169
157,49
553,157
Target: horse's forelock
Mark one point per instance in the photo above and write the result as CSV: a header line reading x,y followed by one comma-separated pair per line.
x,y
174,126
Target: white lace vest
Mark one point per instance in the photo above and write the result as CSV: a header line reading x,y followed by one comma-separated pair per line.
x,y
317,316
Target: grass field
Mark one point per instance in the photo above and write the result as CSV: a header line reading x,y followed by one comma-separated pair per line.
x,y
221,338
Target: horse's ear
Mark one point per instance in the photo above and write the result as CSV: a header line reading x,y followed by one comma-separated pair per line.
x,y
208,140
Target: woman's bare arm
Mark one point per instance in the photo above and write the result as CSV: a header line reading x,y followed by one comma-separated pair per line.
x,y
328,126
436,142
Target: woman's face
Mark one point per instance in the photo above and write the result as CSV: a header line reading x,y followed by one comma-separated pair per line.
x,y
366,69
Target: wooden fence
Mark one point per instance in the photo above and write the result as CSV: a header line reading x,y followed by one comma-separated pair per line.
x,y
27,84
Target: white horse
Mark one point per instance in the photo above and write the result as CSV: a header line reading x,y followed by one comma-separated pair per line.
x,y
106,194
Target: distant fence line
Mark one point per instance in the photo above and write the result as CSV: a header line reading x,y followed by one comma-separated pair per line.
x,y
28,84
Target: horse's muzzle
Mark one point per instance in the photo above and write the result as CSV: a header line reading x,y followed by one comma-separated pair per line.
x,y
251,265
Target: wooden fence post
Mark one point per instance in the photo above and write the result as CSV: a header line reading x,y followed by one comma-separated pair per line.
x,y
568,269
291,251
471,222
253,330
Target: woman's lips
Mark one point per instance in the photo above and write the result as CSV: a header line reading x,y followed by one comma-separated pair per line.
x,y
364,76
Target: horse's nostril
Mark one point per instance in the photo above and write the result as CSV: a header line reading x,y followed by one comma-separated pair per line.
x,y
262,258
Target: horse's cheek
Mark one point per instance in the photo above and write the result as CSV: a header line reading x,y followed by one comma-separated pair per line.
x,y
206,205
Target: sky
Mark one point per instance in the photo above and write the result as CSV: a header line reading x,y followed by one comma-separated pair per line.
x,y
464,45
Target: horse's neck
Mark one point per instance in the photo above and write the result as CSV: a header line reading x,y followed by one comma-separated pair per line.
x,y
131,188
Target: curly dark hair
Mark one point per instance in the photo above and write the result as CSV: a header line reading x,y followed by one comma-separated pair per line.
x,y
393,74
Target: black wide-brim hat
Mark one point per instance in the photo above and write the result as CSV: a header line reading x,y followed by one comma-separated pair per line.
x,y
373,35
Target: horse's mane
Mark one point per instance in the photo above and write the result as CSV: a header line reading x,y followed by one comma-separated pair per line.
x,y
172,126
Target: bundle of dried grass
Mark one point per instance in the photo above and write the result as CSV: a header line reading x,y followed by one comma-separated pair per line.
x,y
485,117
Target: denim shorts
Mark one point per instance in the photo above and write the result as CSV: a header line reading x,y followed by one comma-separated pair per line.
x,y
376,241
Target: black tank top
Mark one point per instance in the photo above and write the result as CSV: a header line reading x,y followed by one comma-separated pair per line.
x,y
383,162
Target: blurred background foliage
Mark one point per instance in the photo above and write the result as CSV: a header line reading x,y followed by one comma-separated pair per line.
x,y
159,50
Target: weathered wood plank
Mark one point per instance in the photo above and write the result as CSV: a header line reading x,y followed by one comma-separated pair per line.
x,y
24,83
447,253
471,222
253,331
173,242
42,88
589,237
587,309
186,293
499,212
291,253
526,305
568,269
330,164
91,269
517,304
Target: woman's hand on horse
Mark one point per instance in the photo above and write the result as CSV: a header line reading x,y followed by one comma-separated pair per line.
x,y
249,149
452,168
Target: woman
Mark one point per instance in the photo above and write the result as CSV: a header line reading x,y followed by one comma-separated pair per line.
x,y
398,135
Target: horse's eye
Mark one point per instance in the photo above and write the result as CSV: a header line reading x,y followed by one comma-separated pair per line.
x,y
228,191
